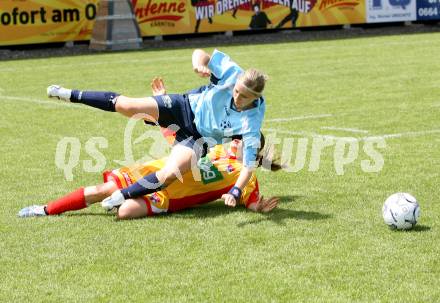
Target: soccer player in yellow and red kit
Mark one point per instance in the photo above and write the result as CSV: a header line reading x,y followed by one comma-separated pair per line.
x,y
218,172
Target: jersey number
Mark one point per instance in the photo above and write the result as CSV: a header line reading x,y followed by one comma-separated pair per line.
x,y
210,173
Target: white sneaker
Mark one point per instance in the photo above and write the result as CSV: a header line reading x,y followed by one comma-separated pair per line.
x,y
115,200
32,211
59,92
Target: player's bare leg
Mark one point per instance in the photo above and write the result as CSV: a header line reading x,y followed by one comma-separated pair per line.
x,y
130,107
180,161
97,193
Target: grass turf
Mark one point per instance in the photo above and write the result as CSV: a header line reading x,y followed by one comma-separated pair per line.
x,y
325,242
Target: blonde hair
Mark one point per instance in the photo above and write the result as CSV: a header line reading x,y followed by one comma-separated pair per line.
x,y
266,157
254,80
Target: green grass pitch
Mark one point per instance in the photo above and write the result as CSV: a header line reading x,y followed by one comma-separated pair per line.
x,y
325,243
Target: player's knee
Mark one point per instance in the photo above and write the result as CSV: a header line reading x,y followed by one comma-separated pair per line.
x,y
166,176
124,213
121,106
132,209
125,106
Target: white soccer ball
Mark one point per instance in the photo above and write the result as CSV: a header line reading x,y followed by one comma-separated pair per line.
x,y
401,211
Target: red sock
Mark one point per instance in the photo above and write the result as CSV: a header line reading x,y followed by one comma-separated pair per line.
x,y
72,201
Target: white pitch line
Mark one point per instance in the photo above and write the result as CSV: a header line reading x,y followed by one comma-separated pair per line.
x,y
146,61
384,136
300,48
351,130
406,134
305,134
299,118
289,132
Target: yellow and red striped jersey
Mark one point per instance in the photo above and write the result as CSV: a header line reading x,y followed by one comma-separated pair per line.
x,y
214,176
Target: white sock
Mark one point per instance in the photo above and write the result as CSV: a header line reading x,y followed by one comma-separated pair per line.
x,y
64,93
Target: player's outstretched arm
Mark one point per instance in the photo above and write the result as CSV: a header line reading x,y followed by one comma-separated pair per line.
x,y
200,60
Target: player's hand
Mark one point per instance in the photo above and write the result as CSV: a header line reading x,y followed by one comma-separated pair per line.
x,y
202,70
229,200
158,87
266,205
116,199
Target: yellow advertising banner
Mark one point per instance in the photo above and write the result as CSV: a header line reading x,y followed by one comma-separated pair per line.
x,y
232,15
43,21
163,17
334,12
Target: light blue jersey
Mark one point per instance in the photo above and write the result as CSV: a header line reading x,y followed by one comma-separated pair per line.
x,y
215,116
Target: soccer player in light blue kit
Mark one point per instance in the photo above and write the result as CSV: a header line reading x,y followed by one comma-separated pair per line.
x,y
231,106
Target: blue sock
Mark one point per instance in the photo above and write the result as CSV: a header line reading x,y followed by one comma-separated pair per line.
x,y
102,100
147,185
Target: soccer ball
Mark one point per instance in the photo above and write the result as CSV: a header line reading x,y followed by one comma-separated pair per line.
x,y
401,211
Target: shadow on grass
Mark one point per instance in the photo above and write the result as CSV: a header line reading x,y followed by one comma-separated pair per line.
x,y
87,214
216,209
290,198
420,228
279,215
210,210
415,229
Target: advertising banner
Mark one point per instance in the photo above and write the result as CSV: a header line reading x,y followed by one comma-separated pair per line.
x,y
391,10
43,21
428,9
196,16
